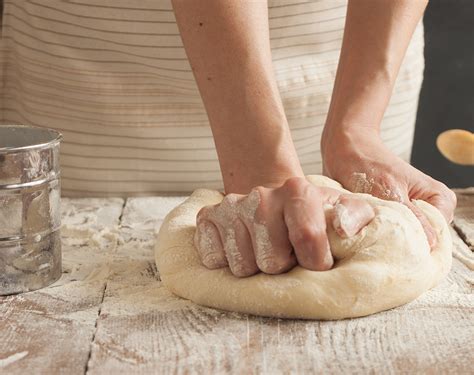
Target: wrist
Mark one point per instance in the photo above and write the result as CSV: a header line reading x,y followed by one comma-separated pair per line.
x,y
337,137
347,144
242,178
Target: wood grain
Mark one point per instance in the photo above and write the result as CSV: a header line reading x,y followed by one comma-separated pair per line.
x,y
164,334
50,331
109,314
197,340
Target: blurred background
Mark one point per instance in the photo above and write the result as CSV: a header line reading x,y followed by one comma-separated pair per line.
x,y
447,95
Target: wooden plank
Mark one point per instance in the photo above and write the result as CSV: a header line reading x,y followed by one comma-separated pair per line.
x,y
133,289
144,329
464,216
461,250
50,331
141,216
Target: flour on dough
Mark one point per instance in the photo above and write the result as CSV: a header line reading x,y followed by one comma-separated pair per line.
x,y
385,265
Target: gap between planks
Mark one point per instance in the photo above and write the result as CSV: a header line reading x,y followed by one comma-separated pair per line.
x,y
99,312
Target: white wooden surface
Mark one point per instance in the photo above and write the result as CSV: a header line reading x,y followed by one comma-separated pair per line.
x,y
109,314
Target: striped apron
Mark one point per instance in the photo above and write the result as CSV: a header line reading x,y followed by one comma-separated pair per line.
x,y
113,78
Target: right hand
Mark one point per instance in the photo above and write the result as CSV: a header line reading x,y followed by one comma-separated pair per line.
x,y
273,229
376,170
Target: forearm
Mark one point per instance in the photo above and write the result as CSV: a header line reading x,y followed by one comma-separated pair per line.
x,y
227,44
376,36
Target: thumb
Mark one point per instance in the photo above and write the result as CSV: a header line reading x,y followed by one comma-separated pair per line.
x,y
427,227
350,215
445,202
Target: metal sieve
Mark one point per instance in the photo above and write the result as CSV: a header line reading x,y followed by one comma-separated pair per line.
x,y
30,217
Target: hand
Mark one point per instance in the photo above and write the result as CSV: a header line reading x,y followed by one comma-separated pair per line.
x,y
362,163
273,229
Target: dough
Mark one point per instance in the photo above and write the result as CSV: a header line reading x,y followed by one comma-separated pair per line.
x,y
385,265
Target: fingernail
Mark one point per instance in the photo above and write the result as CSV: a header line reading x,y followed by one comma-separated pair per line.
x,y
342,223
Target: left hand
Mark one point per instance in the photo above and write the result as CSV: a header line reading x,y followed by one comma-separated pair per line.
x,y
362,163
273,229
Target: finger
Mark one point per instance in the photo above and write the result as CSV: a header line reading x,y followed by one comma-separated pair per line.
x,y
207,241
236,240
306,225
238,249
329,195
350,215
445,203
268,232
427,227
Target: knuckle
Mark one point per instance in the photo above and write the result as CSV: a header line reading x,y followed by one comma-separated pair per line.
x,y
319,258
293,185
273,264
203,213
257,193
244,271
319,262
307,235
256,200
230,199
212,260
270,268
258,190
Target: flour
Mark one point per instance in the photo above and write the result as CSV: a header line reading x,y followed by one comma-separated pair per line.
x,y
100,253
12,358
234,256
102,238
263,247
229,211
90,222
208,237
362,183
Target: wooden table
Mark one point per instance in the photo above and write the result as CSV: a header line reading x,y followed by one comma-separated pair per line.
x,y
108,314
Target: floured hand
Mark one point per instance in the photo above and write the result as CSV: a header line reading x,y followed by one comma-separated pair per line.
x,y
363,164
273,229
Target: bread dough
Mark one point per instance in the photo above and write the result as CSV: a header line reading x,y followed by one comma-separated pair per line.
x,y
387,264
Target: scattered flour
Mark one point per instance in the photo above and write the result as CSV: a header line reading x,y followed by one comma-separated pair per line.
x,y
12,358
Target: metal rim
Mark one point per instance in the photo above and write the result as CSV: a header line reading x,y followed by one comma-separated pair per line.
x,y
29,238
57,138
54,177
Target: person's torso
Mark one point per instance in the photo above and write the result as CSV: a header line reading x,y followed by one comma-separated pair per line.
x,y
113,77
